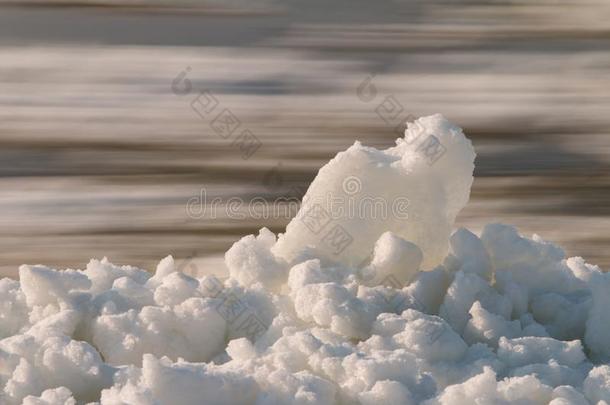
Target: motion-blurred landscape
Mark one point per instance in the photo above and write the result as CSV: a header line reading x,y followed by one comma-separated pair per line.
x,y
100,153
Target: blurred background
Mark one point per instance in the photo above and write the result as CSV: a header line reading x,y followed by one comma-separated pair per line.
x,y
101,148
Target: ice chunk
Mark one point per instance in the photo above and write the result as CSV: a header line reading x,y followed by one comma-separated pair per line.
x,y
364,192
135,294
427,336
42,285
470,254
182,383
463,292
529,350
308,272
597,384
175,289
393,257
582,270
56,396
485,327
484,389
102,274
388,392
166,266
515,292
597,335
13,308
363,372
566,395
250,261
301,387
82,369
334,306
429,288
241,349
175,332
564,315
534,263
553,374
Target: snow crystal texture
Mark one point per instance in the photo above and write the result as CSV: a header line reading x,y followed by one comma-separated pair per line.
x,y
408,312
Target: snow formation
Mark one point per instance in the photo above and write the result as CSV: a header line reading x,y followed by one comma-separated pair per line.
x,y
340,309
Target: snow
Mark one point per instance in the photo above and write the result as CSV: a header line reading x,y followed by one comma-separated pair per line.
x,y
409,311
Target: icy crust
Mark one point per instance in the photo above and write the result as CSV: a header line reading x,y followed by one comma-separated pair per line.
x,y
475,329
499,318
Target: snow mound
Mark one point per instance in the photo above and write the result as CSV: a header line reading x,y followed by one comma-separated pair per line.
x,y
341,309
414,189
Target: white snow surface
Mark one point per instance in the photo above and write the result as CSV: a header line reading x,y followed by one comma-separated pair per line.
x,y
408,312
